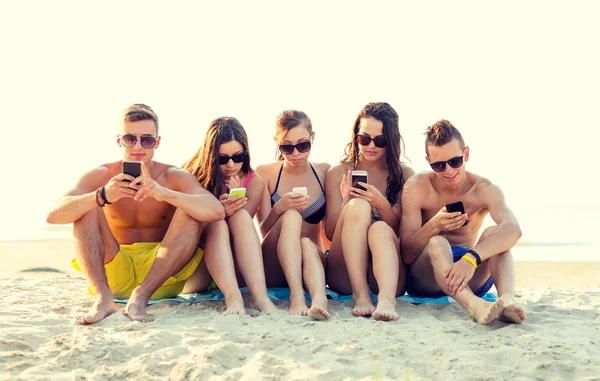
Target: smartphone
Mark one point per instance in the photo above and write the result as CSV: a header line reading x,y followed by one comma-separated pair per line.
x,y
133,168
456,207
237,192
301,190
359,176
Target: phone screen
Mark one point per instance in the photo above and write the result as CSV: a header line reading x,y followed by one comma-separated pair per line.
x,y
132,168
359,176
456,207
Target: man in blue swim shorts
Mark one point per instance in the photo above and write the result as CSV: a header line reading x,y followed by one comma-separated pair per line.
x,y
439,243
137,226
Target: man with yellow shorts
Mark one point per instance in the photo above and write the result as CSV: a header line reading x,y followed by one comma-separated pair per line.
x,y
138,224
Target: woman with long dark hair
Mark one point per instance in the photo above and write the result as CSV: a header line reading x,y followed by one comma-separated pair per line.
x,y
221,164
291,214
363,224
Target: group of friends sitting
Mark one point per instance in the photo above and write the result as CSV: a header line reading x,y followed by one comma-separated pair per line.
x,y
366,225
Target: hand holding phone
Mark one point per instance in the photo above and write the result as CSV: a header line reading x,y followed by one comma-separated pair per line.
x,y
359,176
237,192
456,206
132,168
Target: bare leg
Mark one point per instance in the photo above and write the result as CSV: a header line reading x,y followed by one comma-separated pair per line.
x,y
219,261
174,252
314,279
289,253
439,253
384,246
248,255
356,253
95,245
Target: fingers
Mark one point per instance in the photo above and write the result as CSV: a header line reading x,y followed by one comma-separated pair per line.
x,y
145,171
224,197
463,285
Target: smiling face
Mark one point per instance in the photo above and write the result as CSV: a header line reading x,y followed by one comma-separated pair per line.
x,y
450,150
231,149
372,128
139,129
294,136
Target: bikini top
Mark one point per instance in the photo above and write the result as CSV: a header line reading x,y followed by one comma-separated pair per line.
x,y
314,213
248,178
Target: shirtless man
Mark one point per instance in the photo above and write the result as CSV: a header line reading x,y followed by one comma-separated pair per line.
x,y
441,248
138,238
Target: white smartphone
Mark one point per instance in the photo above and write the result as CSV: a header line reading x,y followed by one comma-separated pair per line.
x,y
237,192
361,176
301,190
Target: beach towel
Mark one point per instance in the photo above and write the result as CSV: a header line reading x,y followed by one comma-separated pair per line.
x,y
284,294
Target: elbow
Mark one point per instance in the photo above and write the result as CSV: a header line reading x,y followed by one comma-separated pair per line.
x,y
516,230
51,218
219,213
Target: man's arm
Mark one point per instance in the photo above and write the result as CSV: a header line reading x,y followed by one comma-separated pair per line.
x,y
81,199
413,236
507,232
192,198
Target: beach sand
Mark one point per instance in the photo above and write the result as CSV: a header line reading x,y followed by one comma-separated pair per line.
x,y
39,338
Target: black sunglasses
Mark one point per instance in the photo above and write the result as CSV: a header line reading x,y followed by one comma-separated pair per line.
x,y
364,140
147,141
440,166
288,149
237,158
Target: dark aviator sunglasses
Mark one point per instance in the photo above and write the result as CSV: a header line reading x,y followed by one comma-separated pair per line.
x,y
440,166
237,158
288,149
364,140
130,140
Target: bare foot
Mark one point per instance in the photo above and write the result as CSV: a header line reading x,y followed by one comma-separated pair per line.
x,y
265,305
386,310
363,306
511,312
318,309
136,308
234,306
298,305
485,312
102,308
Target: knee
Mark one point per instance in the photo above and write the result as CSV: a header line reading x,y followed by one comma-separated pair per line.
x,y
218,228
240,216
438,245
291,217
378,230
358,209
88,220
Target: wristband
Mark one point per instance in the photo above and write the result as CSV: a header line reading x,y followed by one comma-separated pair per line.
x,y
470,260
98,198
477,257
103,195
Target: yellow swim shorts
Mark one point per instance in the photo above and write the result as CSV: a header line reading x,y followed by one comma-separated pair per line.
x,y
131,265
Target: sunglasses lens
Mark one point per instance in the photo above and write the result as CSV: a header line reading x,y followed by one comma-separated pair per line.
x,y
223,160
456,162
128,140
303,147
438,166
286,149
238,157
148,141
363,140
380,141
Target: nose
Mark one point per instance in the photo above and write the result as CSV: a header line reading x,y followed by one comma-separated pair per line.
x,y
230,163
138,143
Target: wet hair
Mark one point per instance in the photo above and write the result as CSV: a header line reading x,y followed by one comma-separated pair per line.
x,y
386,114
440,133
204,164
137,112
285,122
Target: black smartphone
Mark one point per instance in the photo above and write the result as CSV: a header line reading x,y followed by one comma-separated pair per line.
x,y
359,176
456,207
132,168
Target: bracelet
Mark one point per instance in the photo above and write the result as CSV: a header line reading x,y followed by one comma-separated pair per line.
x,y
477,257
98,198
103,195
467,258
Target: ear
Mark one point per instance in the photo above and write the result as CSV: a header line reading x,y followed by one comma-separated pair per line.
x,y
157,142
312,137
119,141
427,158
467,153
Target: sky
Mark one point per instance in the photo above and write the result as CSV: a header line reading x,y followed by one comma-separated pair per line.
x,y
519,79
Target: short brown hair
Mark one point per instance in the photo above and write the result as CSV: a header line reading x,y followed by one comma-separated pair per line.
x,y
137,112
440,133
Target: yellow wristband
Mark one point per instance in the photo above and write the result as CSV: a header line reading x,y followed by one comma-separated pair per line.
x,y
470,260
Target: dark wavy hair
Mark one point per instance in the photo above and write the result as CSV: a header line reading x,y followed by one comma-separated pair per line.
x,y
287,120
386,114
204,164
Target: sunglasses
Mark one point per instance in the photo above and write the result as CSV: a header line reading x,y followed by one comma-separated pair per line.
x,y
364,140
440,166
129,140
237,158
288,149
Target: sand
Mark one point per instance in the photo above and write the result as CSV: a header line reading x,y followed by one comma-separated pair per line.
x,y
39,338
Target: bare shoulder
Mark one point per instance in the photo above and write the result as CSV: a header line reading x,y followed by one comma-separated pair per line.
x,y
96,178
179,179
483,187
407,171
417,184
266,170
256,181
339,169
322,169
